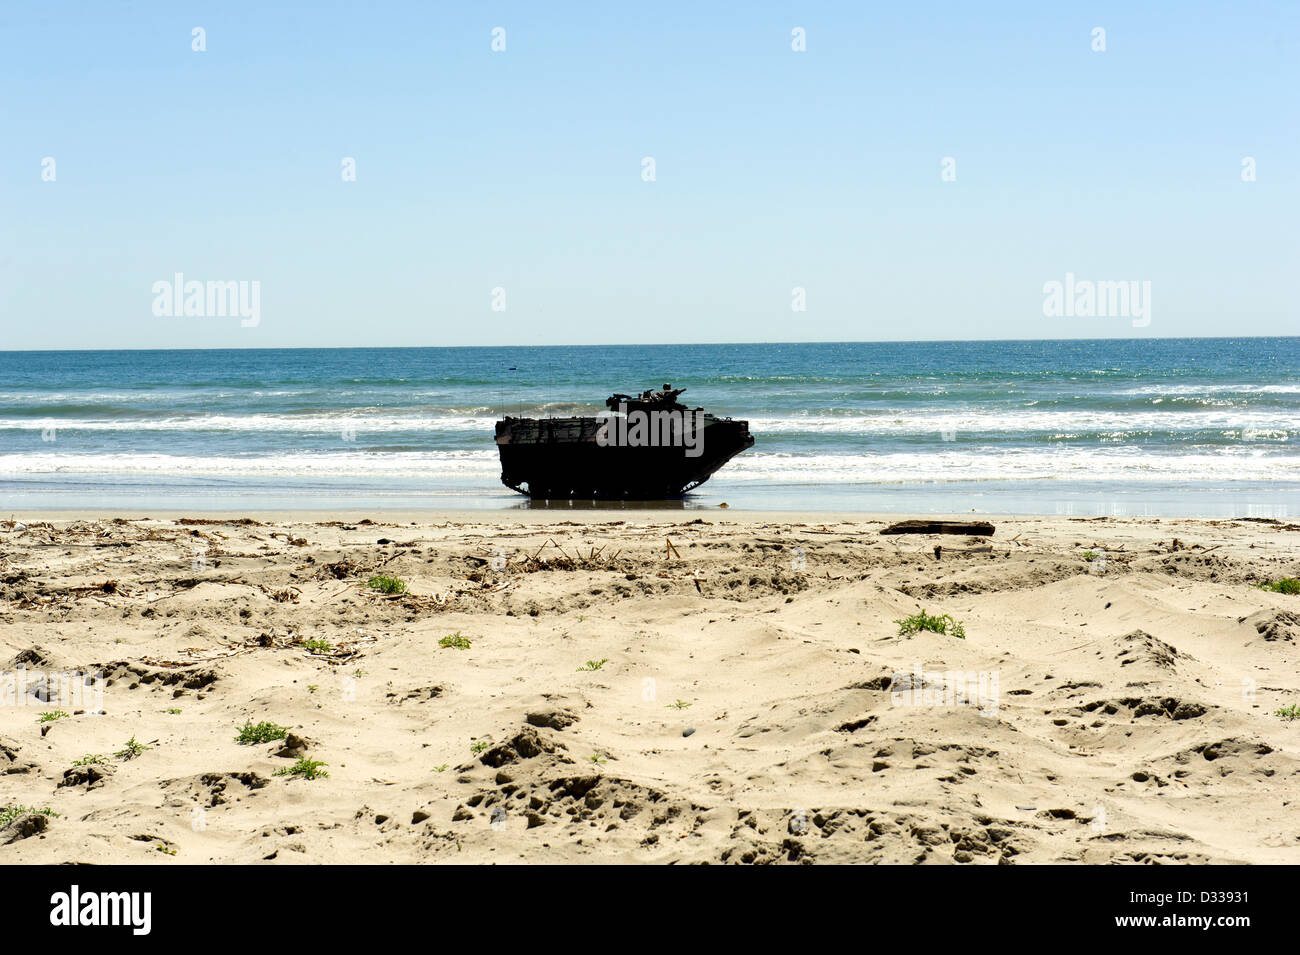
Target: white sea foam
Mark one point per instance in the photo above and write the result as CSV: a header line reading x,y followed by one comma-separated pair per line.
x,y
358,463
1169,389
333,423
889,422
1072,464
1027,421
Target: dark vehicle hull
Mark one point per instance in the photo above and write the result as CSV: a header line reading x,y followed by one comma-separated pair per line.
x,y
561,458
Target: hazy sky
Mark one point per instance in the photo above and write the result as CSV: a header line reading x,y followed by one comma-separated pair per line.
x,y
523,169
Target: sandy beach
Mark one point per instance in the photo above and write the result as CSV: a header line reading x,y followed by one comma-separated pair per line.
x,y
641,686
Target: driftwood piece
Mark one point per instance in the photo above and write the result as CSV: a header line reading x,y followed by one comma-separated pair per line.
x,y
974,528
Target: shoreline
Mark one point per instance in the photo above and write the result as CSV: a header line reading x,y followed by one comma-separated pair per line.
x,y
602,515
594,516
1064,498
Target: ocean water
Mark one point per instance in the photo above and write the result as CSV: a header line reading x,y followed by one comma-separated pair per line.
x,y
1202,427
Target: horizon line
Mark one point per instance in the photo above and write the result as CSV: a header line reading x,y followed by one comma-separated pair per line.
x,y
871,341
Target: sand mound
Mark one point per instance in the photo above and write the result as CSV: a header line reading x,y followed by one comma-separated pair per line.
x,y
652,689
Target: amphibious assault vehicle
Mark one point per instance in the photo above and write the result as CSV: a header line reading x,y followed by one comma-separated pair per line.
x,y
645,448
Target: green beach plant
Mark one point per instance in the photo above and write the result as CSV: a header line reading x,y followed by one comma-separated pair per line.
x,y
1287,585
917,622
132,749
387,584
306,768
263,732
9,813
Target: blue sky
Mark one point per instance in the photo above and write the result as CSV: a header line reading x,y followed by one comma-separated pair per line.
x,y
522,170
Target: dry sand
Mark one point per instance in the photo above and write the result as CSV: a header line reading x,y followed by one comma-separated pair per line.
x,y
751,706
